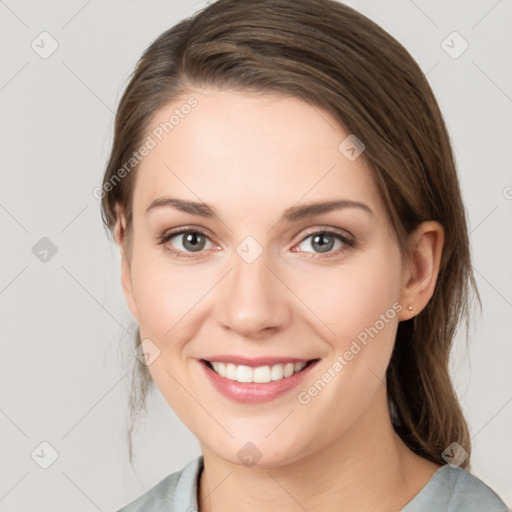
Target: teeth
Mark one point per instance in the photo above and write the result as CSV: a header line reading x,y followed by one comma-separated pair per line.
x,y
259,374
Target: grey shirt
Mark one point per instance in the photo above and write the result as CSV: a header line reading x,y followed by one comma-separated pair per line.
x,y
450,489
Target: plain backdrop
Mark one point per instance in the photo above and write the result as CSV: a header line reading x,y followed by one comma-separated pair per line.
x,y
64,321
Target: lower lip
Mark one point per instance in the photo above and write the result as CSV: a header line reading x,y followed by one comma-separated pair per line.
x,y
255,392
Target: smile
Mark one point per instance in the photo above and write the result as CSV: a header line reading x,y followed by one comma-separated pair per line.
x,y
260,374
257,383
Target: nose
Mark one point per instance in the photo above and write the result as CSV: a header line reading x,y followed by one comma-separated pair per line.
x,y
253,302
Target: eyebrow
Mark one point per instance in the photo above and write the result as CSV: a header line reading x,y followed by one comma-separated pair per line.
x,y
291,214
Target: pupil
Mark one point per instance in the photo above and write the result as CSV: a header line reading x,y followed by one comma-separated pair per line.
x,y
325,242
194,241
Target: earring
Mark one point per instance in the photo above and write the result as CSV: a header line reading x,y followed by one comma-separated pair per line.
x,y
410,308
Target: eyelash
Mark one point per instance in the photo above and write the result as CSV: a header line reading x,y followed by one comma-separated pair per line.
x,y
348,241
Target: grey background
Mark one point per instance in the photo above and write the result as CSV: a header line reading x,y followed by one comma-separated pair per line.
x,y
64,321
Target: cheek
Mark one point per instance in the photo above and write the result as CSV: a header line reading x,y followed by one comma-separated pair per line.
x,y
352,297
359,303
166,295
169,306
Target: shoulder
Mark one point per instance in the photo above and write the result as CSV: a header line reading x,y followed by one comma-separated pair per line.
x,y
177,490
453,489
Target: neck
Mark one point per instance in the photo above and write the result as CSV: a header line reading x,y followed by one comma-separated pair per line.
x,y
367,467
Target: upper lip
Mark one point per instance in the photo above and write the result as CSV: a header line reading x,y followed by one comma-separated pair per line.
x,y
254,362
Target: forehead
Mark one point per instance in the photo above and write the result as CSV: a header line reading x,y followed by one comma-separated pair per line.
x,y
233,147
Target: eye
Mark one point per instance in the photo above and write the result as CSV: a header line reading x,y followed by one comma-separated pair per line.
x,y
324,242
185,241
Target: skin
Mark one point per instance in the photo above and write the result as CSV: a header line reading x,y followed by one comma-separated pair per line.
x,y
252,156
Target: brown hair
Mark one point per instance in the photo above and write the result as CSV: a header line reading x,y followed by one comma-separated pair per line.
x,y
335,58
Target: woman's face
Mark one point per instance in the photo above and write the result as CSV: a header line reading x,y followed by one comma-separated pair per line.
x,y
256,280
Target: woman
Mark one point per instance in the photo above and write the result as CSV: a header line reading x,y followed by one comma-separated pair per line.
x,y
295,252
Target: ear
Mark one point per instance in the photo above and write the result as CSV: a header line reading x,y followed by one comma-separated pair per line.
x,y
126,278
419,280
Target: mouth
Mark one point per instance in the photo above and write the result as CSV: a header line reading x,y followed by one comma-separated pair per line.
x,y
257,374
254,382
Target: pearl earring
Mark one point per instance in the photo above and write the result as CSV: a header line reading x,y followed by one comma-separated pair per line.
x,y
410,308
